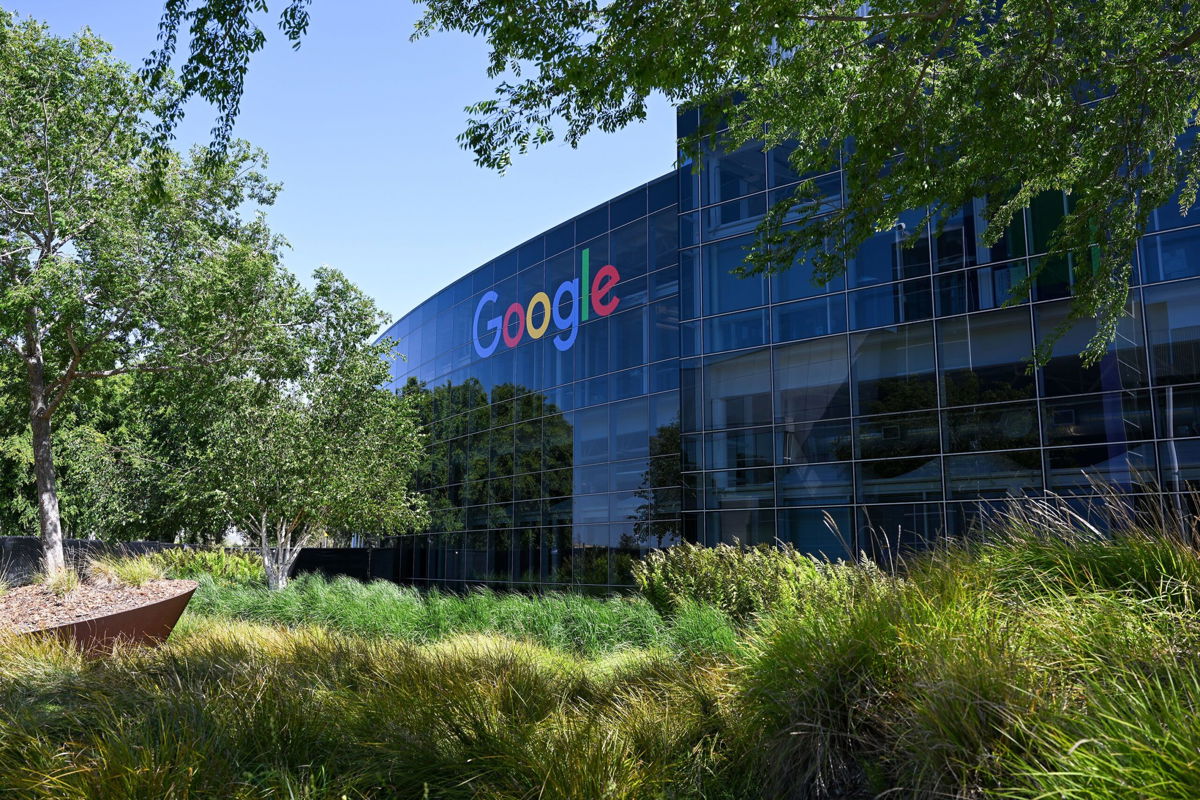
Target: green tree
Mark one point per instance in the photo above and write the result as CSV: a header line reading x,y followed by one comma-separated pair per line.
x,y
101,275
944,101
323,450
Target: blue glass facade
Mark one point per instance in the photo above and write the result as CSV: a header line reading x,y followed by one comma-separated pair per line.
x,y
895,402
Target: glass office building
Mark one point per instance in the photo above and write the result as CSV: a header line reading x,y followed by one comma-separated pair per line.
x,y
608,386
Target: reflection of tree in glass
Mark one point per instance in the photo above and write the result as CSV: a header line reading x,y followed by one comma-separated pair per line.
x,y
490,450
965,387
655,522
904,393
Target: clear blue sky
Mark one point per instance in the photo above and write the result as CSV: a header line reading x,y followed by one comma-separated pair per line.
x,y
360,125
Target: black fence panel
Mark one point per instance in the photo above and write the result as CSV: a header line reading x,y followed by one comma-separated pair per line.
x,y
353,562
21,556
383,564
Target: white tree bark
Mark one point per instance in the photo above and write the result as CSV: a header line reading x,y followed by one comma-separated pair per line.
x,y
279,552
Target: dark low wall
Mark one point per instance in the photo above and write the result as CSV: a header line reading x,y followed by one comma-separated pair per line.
x,y
362,563
21,556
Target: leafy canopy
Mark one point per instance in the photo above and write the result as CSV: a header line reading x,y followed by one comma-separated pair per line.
x,y
944,101
321,448
98,277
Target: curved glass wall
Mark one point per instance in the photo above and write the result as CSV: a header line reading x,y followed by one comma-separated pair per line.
x,y
550,386
657,397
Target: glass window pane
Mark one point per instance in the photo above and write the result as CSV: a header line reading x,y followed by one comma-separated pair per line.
x,y
591,435
628,249
689,338
594,343
1010,244
627,339
664,330
779,168
811,380
891,304
663,283
630,429
737,390
978,289
893,369
748,527
689,283
749,447
556,555
1168,256
815,484
1173,322
900,480
808,318
1167,215
822,532
1000,427
820,195
1122,367
689,229
1077,470
663,238
589,561
984,358
724,291
735,331
1181,467
806,443
1111,417
732,218
902,252
897,435
1045,213
725,176
994,474
740,488
796,281
950,247
1178,411
885,533
691,393
627,207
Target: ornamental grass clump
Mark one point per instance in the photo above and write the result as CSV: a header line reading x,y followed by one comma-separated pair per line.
x,y
116,571
62,582
743,582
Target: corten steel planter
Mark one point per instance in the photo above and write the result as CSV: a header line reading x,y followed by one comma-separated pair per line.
x,y
150,624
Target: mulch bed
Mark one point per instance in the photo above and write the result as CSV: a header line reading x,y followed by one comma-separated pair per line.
x,y
31,608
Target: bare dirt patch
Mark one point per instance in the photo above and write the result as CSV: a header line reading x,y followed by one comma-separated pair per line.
x,y
34,607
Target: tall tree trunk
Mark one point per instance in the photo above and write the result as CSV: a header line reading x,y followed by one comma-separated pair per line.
x,y
49,519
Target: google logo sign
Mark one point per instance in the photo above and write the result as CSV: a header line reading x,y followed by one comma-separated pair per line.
x,y
535,316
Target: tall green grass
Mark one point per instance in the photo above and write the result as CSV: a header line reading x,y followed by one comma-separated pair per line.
x,y
248,711
569,622
1043,660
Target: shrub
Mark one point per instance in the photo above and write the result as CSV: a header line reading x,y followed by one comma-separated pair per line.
x,y
741,582
228,566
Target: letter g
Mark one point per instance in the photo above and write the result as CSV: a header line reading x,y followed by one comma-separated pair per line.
x,y
493,324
